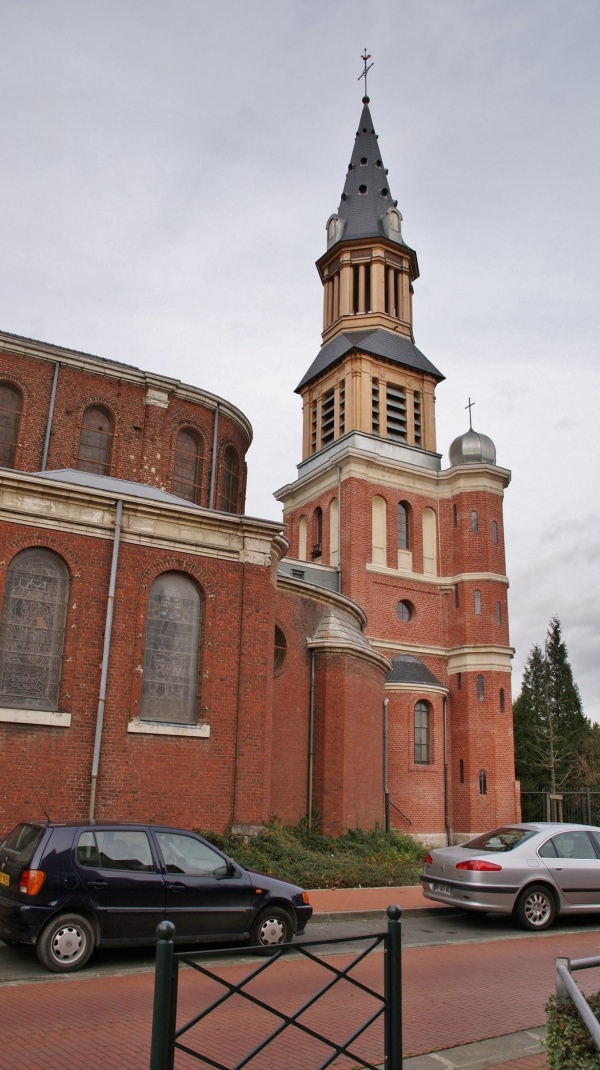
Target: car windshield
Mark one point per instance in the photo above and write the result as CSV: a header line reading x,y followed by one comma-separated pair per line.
x,y
22,842
505,839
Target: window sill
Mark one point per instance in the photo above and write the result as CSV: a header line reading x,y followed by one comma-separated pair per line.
x,y
45,717
154,728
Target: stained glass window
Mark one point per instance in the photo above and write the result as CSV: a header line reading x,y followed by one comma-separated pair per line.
x,y
95,442
230,481
10,408
32,628
187,477
170,680
422,733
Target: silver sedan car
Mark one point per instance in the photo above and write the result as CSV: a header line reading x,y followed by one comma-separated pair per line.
x,y
533,871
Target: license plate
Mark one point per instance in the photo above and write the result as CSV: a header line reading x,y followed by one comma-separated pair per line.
x,y
4,878
445,888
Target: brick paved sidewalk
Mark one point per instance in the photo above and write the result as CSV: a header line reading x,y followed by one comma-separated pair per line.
x,y
452,995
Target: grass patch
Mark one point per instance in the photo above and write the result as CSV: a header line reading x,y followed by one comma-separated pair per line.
x,y
366,859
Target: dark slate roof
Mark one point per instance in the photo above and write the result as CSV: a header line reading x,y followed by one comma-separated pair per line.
x,y
114,486
362,211
407,669
389,345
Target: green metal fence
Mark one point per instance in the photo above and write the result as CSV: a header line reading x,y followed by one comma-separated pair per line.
x,y
167,1038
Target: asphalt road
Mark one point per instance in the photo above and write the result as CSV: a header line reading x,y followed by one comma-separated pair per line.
x,y
19,964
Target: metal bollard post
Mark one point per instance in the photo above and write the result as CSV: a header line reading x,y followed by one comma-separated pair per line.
x,y
393,990
162,1051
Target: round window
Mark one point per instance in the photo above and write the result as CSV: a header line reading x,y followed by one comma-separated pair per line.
x,y
405,610
280,649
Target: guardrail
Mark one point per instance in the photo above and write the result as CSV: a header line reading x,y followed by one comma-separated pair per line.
x,y
167,1037
566,988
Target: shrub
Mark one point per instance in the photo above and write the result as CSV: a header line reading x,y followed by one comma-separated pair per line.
x,y
570,1046
306,857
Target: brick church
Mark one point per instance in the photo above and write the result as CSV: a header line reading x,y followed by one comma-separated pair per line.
x,y
164,657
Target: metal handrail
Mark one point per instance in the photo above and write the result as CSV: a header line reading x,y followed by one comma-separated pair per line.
x,y
567,989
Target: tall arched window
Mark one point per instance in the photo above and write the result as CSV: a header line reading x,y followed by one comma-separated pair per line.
x,y
230,480
482,782
317,533
95,440
403,521
170,680
302,538
189,457
378,530
474,522
480,688
10,409
334,532
429,542
477,602
422,734
32,630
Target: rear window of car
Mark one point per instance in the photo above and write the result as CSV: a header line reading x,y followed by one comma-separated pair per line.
x,y
505,839
20,845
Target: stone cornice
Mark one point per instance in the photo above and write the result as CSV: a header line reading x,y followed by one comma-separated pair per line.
x,y
42,351
27,499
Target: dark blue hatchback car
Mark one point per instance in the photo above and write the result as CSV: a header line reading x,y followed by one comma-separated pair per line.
x,y
68,888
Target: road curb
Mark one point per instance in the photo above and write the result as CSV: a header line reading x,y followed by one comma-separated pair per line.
x,y
379,915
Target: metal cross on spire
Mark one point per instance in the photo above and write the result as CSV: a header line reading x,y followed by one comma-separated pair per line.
x,y
365,58
469,407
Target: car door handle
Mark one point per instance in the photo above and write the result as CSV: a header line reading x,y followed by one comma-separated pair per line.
x,y
178,886
97,884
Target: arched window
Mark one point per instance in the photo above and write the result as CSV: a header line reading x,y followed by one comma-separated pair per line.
x,y
455,516
10,409
230,480
494,531
482,782
403,519
474,522
302,538
378,530
95,440
280,649
317,533
480,689
498,612
461,771
334,532
502,700
170,680
189,457
429,542
422,733
477,601
32,630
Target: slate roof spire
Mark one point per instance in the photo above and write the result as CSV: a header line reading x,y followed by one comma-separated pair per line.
x,y
367,208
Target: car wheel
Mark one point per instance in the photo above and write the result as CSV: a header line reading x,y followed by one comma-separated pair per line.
x,y
271,927
66,943
536,907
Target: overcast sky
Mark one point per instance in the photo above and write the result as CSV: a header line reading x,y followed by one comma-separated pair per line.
x,y
167,170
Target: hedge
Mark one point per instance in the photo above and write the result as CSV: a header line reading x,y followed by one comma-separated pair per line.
x,y
570,1046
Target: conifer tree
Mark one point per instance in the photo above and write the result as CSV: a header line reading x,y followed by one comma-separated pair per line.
x,y
552,733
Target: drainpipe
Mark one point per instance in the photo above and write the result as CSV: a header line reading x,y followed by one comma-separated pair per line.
x,y
339,548
386,792
213,467
50,417
311,738
446,817
105,657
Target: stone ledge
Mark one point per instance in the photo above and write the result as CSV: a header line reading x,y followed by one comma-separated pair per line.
x,y
44,717
152,728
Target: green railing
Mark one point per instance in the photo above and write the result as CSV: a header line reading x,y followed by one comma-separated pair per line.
x,y
167,1038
